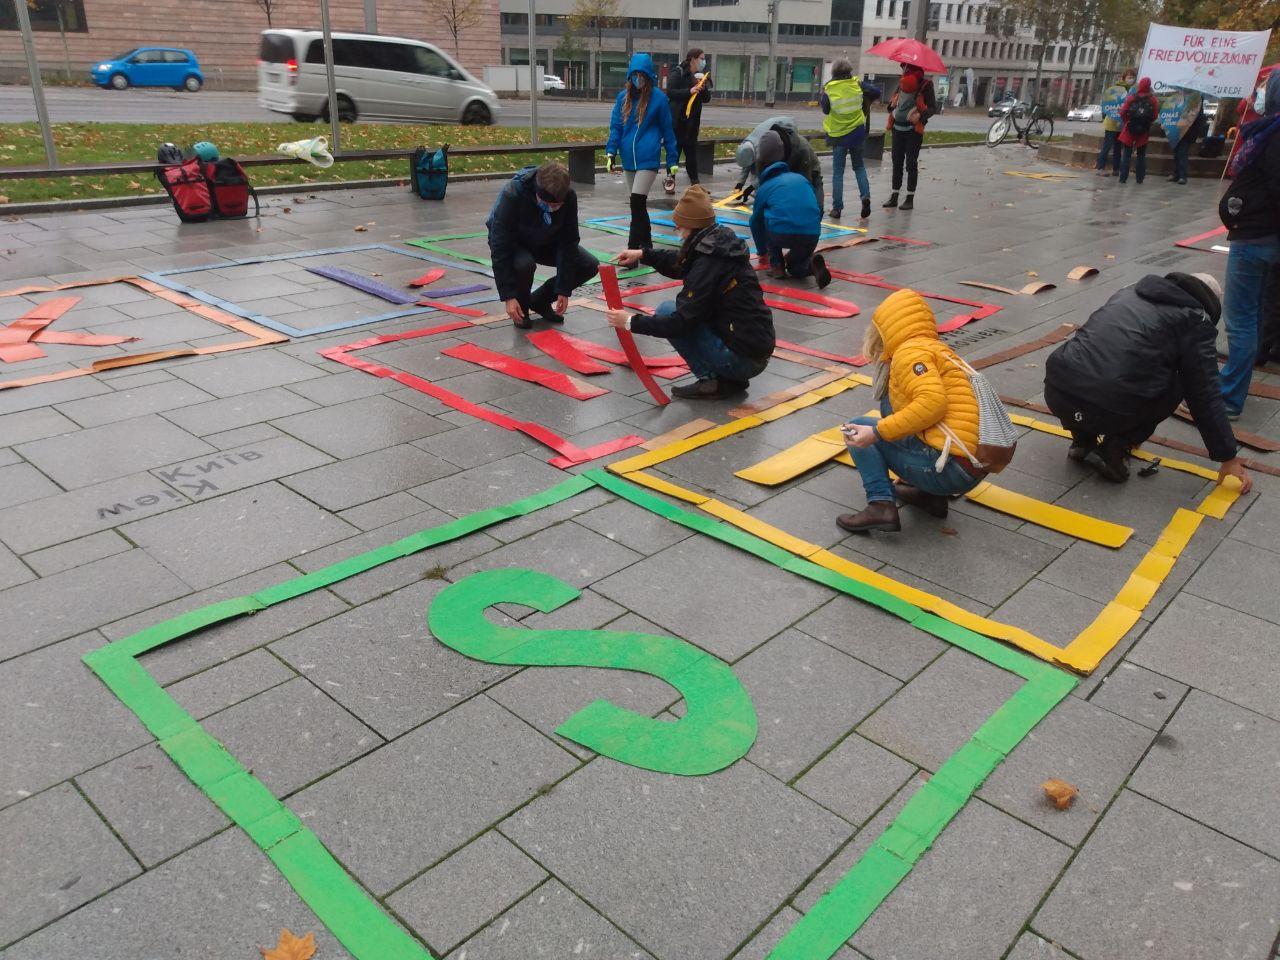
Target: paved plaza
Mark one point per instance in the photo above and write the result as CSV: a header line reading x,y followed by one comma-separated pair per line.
x,y
232,681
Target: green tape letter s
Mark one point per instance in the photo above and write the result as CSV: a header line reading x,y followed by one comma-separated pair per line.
x,y
719,725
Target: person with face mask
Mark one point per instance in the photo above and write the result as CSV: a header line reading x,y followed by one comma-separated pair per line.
x,y
1138,114
639,126
910,108
1114,95
688,88
846,101
533,221
1250,210
1138,356
719,323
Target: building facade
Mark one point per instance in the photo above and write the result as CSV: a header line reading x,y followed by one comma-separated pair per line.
x,y
223,33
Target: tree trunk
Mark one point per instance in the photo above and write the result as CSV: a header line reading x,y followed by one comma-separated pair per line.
x,y
1035,90
66,50
1071,66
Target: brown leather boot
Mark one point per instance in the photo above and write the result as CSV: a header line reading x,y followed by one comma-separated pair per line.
x,y
878,515
930,503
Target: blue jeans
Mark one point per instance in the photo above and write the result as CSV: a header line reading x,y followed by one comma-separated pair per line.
x,y
1110,146
1182,158
854,155
1126,155
1247,266
799,247
709,357
912,460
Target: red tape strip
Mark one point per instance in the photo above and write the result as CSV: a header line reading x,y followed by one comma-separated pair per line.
x,y
451,308
557,347
19,339
668,367
858,361
431,276
981,311
1192,241
831,308
613,297
559,382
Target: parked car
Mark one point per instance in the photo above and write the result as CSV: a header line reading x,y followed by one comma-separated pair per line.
x,y
551,82
150,67
377,77
1090,113
1001,107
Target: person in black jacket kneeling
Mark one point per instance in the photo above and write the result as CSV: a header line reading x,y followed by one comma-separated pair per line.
x,y
719,323
1143,352
535,221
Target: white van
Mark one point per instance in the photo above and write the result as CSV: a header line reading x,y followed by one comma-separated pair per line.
x,y
384,78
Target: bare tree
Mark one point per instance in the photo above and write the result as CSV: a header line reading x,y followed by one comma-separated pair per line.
x,y
1080,26
63,16
457,16
593,18
268,7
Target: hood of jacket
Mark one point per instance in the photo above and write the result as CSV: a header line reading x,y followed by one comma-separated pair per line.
x,y
643,63
1144,87
720,241
1271,101
773,170
901,317
1157,289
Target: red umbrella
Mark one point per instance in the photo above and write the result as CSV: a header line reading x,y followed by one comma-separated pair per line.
x,y
906,50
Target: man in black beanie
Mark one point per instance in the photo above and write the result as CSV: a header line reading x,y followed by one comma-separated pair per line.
x,y
1146,350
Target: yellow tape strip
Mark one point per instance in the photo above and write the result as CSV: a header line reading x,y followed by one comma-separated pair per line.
x,y
804,456
1220,498
662,486
1097,640
1050,516
753,525
1177,532
672,450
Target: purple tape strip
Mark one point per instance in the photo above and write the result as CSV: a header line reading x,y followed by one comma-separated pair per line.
x,y
364,284
436,293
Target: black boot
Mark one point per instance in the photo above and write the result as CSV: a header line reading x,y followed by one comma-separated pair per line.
x,y
878,515
892,201
543,305
709,389
909,203
1109,460
931,503
866,207
820,271
1082,444
640,236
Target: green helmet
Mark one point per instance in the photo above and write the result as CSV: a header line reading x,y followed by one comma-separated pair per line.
x,y
206,151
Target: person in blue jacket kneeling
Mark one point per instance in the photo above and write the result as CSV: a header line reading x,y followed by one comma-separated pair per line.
x,y
786,221
639,126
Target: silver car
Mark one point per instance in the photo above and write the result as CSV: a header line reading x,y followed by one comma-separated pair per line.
x,y
1091,112
377,77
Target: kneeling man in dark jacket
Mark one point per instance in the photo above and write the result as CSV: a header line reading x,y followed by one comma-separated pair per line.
x,y
719,323
1146,350
535,221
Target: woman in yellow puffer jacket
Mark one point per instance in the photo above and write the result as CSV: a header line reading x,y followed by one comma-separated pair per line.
x,y
929,417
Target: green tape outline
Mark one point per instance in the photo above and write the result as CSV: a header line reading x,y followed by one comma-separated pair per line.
x,y
355,918
437,245
840,912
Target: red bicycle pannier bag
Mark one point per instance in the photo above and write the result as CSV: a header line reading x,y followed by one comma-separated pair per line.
x,y
230,189
188,190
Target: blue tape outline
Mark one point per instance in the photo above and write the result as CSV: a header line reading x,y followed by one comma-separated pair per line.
x,y
829,232
162,277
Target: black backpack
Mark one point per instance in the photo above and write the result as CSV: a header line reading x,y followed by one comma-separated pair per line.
x,y
429,172
1141,115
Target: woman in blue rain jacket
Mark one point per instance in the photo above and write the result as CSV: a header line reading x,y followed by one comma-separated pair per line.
x,y
639,130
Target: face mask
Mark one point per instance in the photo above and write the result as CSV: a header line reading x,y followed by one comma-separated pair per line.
x,y
641,81
1260,100
546,210
699,66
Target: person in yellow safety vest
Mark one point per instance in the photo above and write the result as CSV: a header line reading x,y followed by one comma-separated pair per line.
x,y
846,101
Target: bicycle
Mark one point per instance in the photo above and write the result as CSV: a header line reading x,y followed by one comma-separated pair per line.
x,y
1039,126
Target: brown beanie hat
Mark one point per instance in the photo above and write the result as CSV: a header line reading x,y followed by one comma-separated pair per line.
x,y
694,211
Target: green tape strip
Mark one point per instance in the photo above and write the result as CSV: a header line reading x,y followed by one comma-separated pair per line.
x,y
351,915
719,725
839,914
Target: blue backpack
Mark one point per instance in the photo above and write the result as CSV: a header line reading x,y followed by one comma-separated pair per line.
x,y
429,172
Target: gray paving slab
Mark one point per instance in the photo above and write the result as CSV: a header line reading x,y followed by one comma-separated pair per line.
x,y
44,395
1241,667
151,804
873,636
1050,612
551,922
363,478
1099,572
361,426
1091,749
1206,766
229,683
77,513
1138,694
1031,947
675,589
341,387
253,433
566,551
57,854
807,697
1150,882
689,866
126,404
291,735
855,778
710,469
112,450
12,570
633,527
22,483
236,373
933,716
240,410
970,895
517,528
802,514
1243,577
382,663
1260,526
270,523
241,467
489,485
53,608
393,814
1147,504
230,900
456,898
65,556
384,510
476,443
68,720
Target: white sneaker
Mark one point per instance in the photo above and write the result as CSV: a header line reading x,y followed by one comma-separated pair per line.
x,y
669,185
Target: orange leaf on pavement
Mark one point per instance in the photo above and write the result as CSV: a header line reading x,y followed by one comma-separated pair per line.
x,y
290,947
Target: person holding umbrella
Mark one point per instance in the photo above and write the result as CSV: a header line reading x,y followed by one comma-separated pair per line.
x,y
910,108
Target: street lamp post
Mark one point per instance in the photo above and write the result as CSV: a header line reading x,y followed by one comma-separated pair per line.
x,y
771,81
37,87
535,81
328,72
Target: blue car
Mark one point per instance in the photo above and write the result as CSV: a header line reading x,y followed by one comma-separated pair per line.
x,y
150,67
